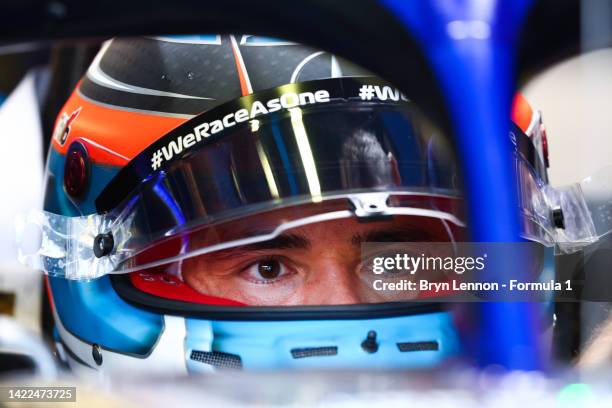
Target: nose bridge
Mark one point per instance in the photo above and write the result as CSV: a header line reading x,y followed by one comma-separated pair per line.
x,y
333,282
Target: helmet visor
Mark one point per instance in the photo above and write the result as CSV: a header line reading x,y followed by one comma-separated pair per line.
x,y
355,142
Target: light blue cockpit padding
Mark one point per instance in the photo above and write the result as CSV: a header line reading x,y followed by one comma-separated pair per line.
x,y
268,345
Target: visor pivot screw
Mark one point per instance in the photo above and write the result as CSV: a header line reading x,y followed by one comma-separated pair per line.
x,y
557,217
103,244
369,345
96,354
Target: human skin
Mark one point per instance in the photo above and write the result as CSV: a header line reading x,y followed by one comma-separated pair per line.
x,y
316,264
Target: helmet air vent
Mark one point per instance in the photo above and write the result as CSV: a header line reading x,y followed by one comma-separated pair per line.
x,y
217,359
418,346
314,352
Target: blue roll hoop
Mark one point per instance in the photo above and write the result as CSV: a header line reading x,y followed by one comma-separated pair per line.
x,y
471,47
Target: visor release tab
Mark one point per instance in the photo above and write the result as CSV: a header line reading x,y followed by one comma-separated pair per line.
x,y
558,218
370,206
369,345
103,244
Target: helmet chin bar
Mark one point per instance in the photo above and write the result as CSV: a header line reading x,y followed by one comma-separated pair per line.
x,y
84,248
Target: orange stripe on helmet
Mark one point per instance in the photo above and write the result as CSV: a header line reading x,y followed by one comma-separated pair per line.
x,y
243,76
522,113
112,136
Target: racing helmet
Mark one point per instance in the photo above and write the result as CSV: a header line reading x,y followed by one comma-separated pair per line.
x,y
175,156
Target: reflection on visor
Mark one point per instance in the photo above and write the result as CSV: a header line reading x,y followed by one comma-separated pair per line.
x,y
291,159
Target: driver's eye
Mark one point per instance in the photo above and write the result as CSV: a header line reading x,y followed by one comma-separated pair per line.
x,y
269,269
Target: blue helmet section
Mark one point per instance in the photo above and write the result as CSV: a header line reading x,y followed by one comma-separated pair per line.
x,y
92,311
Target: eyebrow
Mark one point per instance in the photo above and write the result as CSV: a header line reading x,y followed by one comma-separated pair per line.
x,y
284,241
297,241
